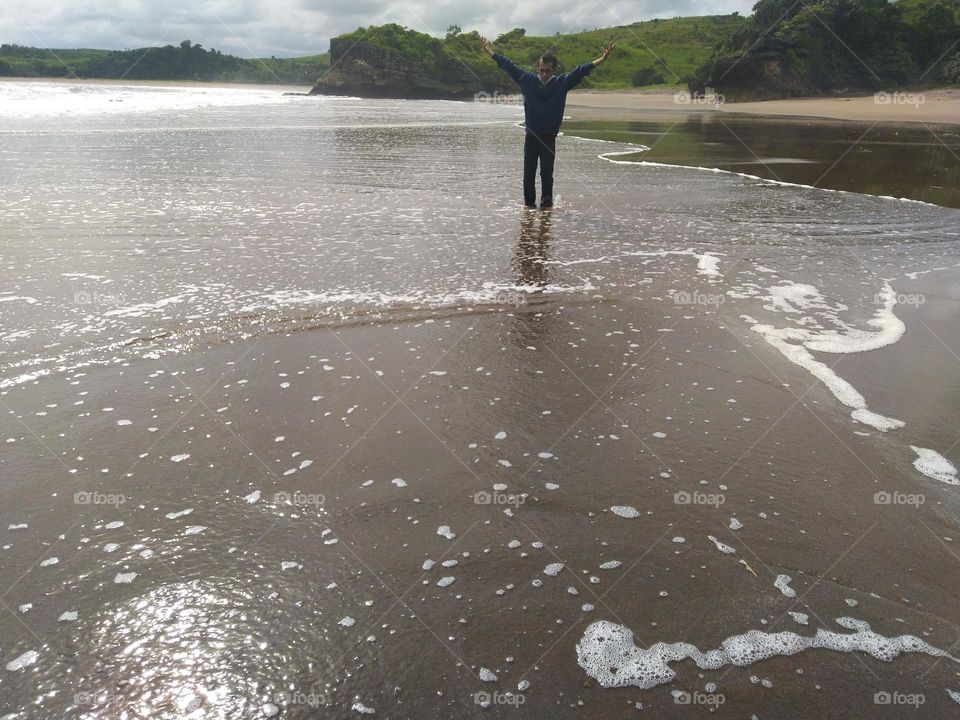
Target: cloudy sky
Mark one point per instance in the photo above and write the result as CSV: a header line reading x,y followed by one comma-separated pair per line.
x,y
286,28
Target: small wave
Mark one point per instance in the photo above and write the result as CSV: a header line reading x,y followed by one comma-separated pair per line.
x,y
648,163
270,313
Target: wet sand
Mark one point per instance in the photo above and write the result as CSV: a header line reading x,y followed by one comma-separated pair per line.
x,y
777,449
936,107
296,435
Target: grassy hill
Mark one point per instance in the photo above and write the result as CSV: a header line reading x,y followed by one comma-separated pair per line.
x,y
648,53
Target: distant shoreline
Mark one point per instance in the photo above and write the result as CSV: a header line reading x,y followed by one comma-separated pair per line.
x,y
939,106
158,83
935,107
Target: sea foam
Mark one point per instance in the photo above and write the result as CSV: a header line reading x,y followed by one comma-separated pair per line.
x,y
607,652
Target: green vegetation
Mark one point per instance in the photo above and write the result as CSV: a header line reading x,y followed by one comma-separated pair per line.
x,y
828,45
650,52
184,62
786,47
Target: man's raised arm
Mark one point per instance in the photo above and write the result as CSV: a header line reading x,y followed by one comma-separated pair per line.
x,y
505,64
581,71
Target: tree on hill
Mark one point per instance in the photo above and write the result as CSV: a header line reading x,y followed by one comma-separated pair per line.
x,y
797,47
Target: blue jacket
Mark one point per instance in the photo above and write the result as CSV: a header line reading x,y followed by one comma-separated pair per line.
x,y
543,104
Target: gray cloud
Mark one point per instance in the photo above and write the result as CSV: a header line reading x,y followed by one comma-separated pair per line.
x,y
284,28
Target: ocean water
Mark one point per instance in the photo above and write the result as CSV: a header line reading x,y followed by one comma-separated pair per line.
x,y
176,247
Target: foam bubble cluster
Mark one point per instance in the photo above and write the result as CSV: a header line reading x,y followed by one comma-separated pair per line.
x,y
607,652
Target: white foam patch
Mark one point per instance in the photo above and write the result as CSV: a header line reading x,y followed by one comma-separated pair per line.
x,y
796,343
935,466
782,583
875,420
608,655
553,569
625,511
708,263
28,658
722,547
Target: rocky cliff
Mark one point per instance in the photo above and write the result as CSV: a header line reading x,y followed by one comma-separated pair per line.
x,y
772,70
358,68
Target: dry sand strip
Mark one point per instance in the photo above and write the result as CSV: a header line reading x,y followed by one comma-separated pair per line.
x,y
940,107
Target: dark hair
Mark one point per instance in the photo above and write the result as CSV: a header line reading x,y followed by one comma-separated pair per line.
x,y
549,59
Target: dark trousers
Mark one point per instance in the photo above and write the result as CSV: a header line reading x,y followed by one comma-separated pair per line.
x,y
542,149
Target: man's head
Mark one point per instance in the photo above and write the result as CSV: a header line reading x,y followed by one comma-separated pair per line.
x,y
547,67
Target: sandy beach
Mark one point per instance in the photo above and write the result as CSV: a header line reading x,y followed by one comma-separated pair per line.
x,y
350,432
940,107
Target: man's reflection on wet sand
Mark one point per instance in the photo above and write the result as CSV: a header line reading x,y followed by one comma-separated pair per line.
x,y
533,244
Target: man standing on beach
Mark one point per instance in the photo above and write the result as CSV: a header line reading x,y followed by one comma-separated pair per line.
x,y
544,97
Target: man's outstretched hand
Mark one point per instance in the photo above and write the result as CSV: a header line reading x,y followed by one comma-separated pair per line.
x,y
606,53
485,44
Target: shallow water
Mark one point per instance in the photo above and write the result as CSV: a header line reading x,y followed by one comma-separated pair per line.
x,y
297,347
918,161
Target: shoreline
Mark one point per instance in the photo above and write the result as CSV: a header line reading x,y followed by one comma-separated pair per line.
x,y
280,87
936,107
940,106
